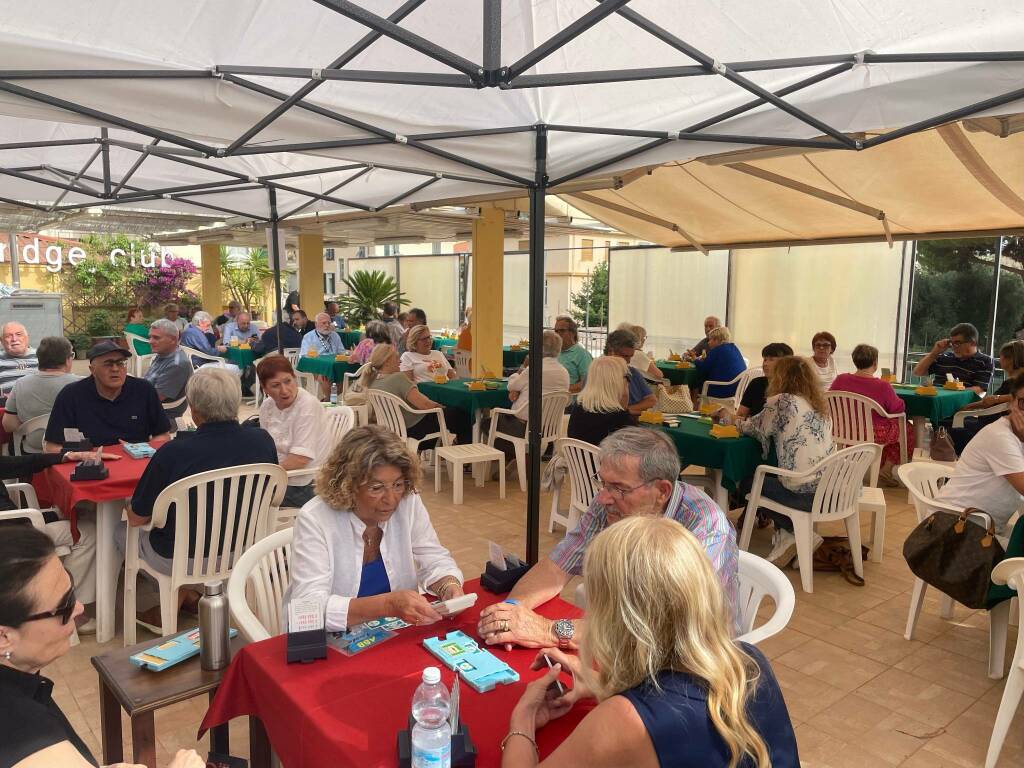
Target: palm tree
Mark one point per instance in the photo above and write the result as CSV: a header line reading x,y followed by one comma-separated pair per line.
x,y
367,293
246,277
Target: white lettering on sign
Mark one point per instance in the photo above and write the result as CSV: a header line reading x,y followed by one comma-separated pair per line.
x,y
53,259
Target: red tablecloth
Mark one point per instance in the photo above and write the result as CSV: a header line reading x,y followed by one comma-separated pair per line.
x,y
55,487
347,711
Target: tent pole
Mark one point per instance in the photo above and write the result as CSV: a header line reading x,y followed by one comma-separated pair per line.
x,y
536,355
275,255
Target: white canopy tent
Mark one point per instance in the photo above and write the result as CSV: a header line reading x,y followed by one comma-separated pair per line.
x,y
261,109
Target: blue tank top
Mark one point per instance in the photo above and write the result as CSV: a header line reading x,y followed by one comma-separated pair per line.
x,y
681,730
374,579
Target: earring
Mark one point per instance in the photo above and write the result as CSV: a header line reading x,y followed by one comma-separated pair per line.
x,y
7,655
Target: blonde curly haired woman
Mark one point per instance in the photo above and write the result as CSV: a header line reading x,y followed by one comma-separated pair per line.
x,y
365,546
673,688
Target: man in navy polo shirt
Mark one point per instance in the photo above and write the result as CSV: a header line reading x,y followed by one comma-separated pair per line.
x,y
959,356
109,405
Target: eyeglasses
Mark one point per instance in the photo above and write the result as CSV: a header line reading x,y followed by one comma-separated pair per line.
x,y
957,344
563,330
823,345
377,490
115,364
616,490
64,608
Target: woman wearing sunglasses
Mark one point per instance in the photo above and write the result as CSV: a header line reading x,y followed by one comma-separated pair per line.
x,y
37,608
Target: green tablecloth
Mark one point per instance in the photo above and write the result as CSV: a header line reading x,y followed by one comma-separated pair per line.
x,y
243,358
440,342
350,338
513,358
688,376
736,457
326,365
937,407
456,395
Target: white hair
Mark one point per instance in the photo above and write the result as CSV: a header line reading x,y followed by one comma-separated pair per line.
x,y
214,394
166,326
201,317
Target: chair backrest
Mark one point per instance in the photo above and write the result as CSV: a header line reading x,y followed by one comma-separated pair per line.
x,y
257,586
924,480
462,358
581,463
745,378
133,339
232,509
552,408
349,379
195,354
37,424
851,417
841,477
757,579
387,411
339,421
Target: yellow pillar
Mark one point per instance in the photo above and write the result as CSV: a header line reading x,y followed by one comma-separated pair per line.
x,y
311,273
488,281
213,302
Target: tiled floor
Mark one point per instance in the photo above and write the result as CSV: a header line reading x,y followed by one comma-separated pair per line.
x,y
859,694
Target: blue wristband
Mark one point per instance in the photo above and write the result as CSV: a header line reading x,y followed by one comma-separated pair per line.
x,y
511,601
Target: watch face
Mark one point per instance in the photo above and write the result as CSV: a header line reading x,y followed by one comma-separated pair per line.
x,y
563,629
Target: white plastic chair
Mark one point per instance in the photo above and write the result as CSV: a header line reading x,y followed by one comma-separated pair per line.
x,y
246,492
257,587
195,354
852,423
553,407
741,381
841,477
961,416
759,579
389,412
139,362
462,358
924,480
581,465
1011,573
37,424
306,380
350,390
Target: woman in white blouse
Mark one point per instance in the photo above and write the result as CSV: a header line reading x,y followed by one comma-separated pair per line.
x,y
365,545
795,420
823,344
421,363
295,419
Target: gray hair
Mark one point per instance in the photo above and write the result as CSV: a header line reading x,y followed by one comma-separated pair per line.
x,y
620,339
968,331
201,317
165,326
652,448
551,345
214,394
720,334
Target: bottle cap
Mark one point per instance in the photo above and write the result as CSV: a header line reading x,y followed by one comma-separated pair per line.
x,y
213,588
431,675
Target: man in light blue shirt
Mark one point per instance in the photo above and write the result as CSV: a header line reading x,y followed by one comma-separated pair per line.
x,y
240,328
194,337
323,338
573,357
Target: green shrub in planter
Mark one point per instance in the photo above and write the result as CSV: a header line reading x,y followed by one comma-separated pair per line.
x,y
99,323
81,343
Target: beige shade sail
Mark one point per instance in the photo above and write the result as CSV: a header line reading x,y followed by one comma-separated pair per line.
x,y
958,178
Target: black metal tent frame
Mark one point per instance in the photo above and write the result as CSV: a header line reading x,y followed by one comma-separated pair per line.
x,y
488,73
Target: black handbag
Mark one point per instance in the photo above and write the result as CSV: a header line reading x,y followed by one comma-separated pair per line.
x,y
954,555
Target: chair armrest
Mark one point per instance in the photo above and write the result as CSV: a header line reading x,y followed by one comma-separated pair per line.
x,y
439,410
25,493
506,411
32,515
303,472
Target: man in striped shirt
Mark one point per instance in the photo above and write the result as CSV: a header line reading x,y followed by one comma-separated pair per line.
x,y
958,355
638,475
18,358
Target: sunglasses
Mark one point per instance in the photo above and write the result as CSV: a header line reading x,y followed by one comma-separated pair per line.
x,y
64,608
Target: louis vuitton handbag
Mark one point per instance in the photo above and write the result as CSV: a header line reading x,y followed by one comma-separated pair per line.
x,y
955,555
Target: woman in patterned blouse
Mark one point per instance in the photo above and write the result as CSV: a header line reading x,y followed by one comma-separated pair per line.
x,y
795,420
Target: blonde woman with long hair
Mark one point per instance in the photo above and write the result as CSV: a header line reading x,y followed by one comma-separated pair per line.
x,y
795,420
673,688
602,405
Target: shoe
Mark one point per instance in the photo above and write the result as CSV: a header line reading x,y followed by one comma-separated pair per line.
x,y
816,541
783,548
87,627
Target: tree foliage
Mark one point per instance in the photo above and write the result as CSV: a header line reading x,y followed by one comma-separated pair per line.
x,y
368,290
246,277
590,303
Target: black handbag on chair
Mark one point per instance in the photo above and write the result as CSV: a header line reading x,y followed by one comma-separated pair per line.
x,y
954,555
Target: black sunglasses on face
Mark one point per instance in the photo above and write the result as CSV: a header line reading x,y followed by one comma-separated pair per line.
x,y
64,608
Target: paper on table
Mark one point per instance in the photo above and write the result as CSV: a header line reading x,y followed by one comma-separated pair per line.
x,y
496,555
72,435
304,615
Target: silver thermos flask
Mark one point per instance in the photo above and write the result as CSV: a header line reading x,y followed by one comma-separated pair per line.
x,y
214,649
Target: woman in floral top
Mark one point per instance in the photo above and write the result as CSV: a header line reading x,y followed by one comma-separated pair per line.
x,y
376,333
795,419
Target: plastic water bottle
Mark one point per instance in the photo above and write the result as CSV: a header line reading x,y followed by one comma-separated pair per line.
x,y
926,440
431,736
334,393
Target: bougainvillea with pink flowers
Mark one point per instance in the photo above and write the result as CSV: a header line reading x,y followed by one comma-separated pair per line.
x,y
158,285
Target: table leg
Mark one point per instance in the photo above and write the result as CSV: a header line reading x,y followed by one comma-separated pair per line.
x,y
219,741
919,425
721,495
259,744
108,565
477,417
110,726
144,739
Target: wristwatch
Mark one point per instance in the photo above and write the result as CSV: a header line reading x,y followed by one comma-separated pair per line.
x,y
563,629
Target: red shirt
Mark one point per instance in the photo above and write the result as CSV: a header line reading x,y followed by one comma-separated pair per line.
x,y
879,391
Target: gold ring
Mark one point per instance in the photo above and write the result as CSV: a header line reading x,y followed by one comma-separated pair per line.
x,y
506,625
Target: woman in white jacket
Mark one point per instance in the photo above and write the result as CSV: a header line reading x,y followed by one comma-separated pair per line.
x,y
365,546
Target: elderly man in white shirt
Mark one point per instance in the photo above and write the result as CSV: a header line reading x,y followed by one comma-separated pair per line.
x,y
364,547
554,378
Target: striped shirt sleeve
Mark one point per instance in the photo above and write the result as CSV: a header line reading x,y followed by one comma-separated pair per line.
x,y
568,555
